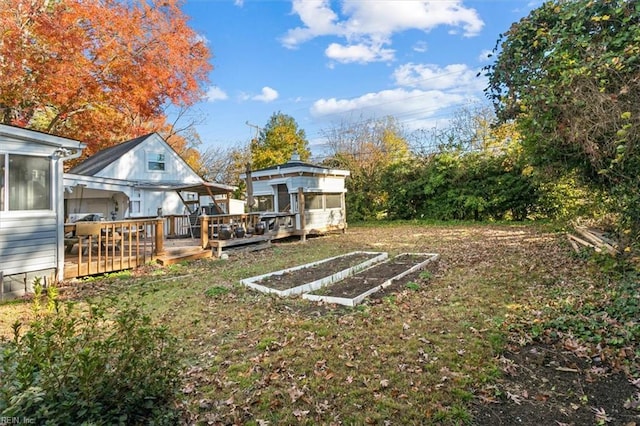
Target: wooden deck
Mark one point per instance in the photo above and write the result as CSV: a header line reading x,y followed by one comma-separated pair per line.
x,y
122,245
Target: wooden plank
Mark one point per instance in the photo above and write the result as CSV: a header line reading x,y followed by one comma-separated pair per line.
x,y
218,245
598,242
573,244
584,243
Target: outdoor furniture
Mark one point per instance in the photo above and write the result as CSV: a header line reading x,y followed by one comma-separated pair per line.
x,y
86,236
90,234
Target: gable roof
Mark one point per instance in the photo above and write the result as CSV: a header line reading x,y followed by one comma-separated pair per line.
x,y
101,159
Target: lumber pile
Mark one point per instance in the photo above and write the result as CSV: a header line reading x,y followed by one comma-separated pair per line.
x,y
592,238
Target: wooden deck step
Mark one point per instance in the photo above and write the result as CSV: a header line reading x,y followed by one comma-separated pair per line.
x,y
258,242
173,256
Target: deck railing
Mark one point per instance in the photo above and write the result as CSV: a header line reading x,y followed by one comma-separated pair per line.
x,y
101,247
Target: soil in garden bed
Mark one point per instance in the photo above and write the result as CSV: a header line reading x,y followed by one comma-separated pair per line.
x,y
309,274
371,277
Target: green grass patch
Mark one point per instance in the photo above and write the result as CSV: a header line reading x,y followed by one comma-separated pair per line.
x,y
216,291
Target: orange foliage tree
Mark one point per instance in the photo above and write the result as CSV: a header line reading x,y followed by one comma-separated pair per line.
x,y
99,71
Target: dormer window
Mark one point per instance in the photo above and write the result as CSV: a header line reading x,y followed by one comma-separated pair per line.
x,y
156,162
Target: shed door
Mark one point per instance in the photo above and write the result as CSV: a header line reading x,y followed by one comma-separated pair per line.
x,y
284,202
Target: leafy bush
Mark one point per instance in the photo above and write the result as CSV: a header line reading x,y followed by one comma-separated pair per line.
x,y
461,186
106,365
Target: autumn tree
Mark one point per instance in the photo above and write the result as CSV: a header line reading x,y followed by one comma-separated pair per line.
x,y
366,148
569,75
97,71
277,141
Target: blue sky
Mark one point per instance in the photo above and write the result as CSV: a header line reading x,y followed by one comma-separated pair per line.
x,y
325,62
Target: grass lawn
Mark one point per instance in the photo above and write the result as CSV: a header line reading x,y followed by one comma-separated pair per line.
x,y
419,354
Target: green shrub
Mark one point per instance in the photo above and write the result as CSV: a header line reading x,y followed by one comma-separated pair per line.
x,y
106,365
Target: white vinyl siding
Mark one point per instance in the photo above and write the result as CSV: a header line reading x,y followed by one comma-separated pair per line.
x,y
28,242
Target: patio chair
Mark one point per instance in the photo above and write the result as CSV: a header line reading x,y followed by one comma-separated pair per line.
x,y
88,232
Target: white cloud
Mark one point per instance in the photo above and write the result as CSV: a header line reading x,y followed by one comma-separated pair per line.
x,y
457,78
400,103
372,24
361,53
485,55
421,47
268,94
425,95
318,18
391,16
215,94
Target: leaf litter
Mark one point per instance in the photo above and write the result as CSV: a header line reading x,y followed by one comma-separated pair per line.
x,y
459,349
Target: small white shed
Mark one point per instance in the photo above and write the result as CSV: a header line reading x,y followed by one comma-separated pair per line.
x,y
277,189
31,208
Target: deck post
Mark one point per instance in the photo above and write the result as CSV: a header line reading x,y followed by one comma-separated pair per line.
x,y
204,231
301,208
159,236
172,225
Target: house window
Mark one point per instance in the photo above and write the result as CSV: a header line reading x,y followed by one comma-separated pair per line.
x,y
265,203
156,162
2,179
333,201
134,207
135,203
25,182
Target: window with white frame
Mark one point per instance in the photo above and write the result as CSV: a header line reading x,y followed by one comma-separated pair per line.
x,y
25,182
313,201
156,162
333,201
135,203
2,179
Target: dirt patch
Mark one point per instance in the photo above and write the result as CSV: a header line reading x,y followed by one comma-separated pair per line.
x,y
292,279
372,277
546,385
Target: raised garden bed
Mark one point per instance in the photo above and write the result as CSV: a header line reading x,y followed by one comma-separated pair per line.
x,y
353,289
315,275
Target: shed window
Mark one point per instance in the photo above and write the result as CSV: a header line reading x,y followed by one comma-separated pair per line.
x,y
25,182
156,162
313,201
333,201
265,203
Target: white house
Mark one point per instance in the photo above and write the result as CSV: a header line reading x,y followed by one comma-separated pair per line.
x,y
31,209
142,177
276,189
